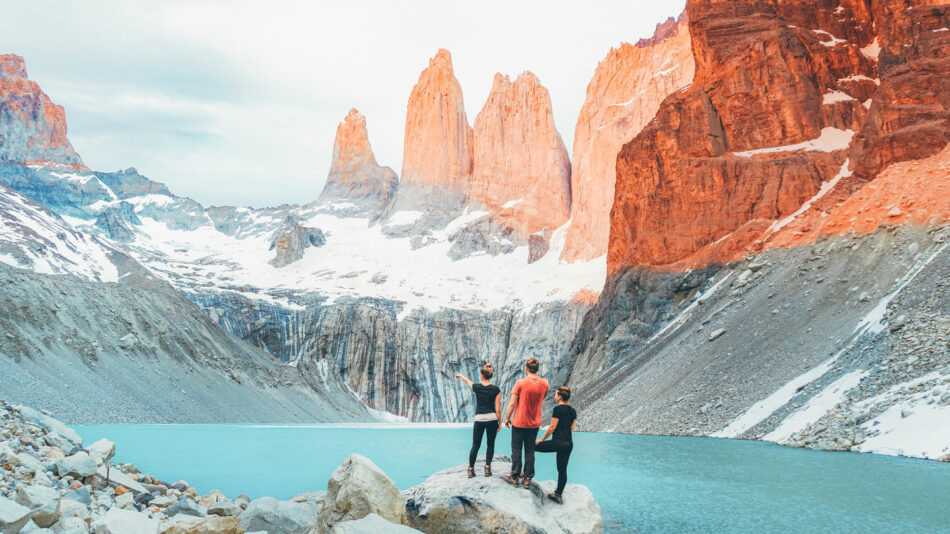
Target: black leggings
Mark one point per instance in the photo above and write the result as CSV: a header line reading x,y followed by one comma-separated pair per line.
x,y
490,428
563,449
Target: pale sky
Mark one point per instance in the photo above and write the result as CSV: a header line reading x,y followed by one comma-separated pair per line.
x,y
238,102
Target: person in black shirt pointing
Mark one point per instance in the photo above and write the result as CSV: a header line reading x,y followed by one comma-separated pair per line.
x,y
487,417
561,428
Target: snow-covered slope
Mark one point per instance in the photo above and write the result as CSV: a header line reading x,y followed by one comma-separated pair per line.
x,y
33,238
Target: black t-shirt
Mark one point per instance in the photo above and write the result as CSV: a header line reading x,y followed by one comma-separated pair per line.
x,y
485,397
565,419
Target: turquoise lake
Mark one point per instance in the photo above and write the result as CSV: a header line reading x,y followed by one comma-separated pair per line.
x,y
642,483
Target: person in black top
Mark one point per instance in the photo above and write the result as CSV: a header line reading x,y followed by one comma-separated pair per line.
x,y
487,417
562,425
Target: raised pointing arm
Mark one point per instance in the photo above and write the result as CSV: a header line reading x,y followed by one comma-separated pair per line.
x,y
464,379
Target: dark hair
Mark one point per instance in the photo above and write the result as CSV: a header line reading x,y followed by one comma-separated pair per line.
x,y
487,371
533,365
565,393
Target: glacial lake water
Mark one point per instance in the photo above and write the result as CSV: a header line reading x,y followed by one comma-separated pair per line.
x,y
642,483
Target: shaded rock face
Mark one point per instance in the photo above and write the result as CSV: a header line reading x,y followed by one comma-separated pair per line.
x,y
354,174
403,363
521,167
284,517
622,97
291,244
767,75
32,127
449,502
117,222
437,151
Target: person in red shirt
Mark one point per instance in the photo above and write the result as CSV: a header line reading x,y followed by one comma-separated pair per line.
x,y
526,399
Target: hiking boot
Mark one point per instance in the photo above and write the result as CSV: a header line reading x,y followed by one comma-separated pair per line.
x,y
487,470
511,479
471,472
526,483
556,497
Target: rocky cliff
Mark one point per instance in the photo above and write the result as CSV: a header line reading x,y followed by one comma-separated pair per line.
x,y
622,97
405,365
521,169
32,127
354,174
815,137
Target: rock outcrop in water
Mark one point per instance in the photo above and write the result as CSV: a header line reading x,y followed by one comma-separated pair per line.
x,y
622,97
354,174
32,127
521,168
449,501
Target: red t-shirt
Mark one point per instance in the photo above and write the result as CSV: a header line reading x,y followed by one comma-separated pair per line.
x,y
530,391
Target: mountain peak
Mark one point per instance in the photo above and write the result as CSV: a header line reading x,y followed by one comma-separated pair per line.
x,y
12,66
32,127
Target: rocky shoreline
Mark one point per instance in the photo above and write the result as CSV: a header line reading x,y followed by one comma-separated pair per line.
x,y
51,483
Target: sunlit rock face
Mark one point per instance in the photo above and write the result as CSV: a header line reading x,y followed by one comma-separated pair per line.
x,y
354,174
437,151
622,97
32,127
521,167
767,120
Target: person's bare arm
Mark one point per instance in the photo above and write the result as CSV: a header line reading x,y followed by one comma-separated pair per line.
x,y
498,410
574,424
464,379
511,408
550,431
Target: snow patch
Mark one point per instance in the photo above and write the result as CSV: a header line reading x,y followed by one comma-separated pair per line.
x,y
836,96
761,410
816,407
404,218
872,50
825,187
831,139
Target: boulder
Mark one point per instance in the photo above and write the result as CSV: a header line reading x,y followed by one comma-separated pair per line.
x,y
71,525
117,521
210,525
224,509
42,501
13,516
102,449
69,508
371,524
449,501
118,478
51,425
358,488
81,494
79,465
32,528
279,517
186,507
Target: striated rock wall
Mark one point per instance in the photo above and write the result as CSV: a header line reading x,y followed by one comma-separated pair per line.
x,y
404,365
622,97
32,127
354,174
521,168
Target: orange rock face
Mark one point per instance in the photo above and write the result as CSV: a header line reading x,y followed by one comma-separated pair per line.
x,y
755,136
354,174
32,127
521,168
438,139
623,96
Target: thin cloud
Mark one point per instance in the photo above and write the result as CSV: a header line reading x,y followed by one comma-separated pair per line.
x,y
238,102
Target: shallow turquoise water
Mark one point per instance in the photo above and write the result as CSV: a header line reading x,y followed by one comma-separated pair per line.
x,y
643,483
